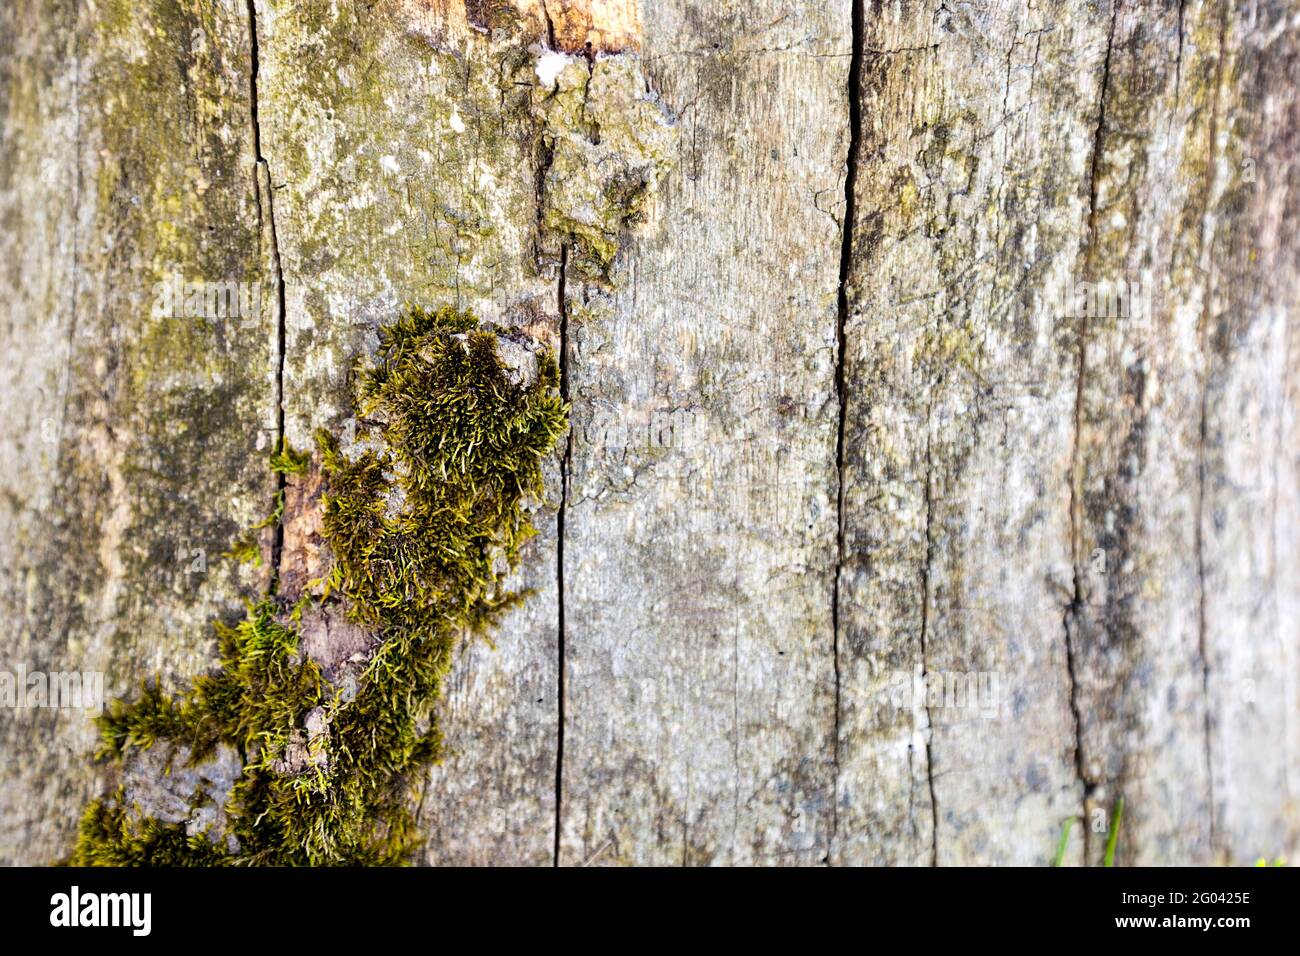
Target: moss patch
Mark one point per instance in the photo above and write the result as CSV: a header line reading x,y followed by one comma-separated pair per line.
x,y
422,526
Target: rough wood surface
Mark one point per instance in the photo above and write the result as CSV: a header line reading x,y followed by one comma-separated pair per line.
x,y
971,187
700,517
399,175
135,444
872,541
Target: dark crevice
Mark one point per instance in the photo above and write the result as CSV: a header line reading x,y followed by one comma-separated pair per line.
x,y
1205,251
841,321
1069,624
1073,619
1178,61
925,637
65,385
550,30
254,65
565,461
545,156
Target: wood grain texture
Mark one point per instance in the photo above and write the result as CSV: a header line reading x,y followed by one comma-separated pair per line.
x,y
135,442
1135,624
1176,626
881,535
403,159
972,192
1250,462
700,516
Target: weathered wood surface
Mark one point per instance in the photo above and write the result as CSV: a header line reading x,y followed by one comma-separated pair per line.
x,y
134,445
975,140
837,432
700,516
400,174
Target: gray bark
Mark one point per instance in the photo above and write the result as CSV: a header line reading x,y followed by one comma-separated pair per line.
x,y
840,430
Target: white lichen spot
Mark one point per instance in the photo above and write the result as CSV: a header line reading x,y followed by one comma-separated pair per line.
x,y
549,67
389,165
457,124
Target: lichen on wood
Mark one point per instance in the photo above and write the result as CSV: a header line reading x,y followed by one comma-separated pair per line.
x,y
610,140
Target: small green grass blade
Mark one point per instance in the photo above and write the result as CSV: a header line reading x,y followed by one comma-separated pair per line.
x,y
1064,842
1112,838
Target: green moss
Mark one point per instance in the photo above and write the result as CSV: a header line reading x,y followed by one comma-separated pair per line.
x,y
286,461
423,527
246,551
152,717
108,836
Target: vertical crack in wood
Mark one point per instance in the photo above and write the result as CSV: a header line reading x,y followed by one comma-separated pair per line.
x,y
565,460
277,547
550,30
842,313
1074,611
1205,253
925,636
1178,62
65,380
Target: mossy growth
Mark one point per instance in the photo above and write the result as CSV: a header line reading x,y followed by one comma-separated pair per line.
x,y
110,835
286,461
423,526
